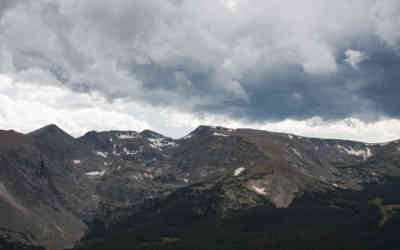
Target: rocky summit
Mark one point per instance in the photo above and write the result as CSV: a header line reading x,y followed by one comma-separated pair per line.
x,y
60,192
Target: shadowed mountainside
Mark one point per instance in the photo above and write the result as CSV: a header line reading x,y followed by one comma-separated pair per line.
x,y
55,189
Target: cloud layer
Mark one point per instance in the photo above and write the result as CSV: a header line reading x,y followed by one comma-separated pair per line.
x,y
25,107
254,61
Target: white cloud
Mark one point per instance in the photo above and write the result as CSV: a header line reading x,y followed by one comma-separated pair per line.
x,y
386,19
230,4
383,130
161,60
25,106
354,57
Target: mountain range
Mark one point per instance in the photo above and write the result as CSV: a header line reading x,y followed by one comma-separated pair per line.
x,y
215,188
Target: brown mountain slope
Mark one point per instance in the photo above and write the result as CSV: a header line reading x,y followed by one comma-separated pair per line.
x,y
52,186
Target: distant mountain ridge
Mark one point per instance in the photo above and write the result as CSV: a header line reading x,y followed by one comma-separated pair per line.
x,y
54,187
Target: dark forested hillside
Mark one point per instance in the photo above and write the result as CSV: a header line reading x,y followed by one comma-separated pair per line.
x,y
331,220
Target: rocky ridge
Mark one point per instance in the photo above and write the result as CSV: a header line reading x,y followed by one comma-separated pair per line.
x,y
53,187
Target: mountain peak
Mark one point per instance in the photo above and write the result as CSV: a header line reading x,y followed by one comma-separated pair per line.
x,y
49,129
150,134
203,128
208,129
9,132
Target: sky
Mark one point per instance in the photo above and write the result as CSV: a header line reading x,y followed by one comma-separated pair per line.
x,y
317,68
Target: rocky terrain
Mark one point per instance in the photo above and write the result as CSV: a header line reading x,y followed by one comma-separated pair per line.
x,y
56,189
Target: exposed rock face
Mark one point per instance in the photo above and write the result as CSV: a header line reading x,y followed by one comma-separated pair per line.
x,y
31,195
52,186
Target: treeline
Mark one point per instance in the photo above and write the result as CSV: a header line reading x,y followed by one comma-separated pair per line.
x,y
342,220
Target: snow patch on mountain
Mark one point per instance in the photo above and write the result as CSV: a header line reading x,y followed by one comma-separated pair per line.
x,y
127,152
102,154
238,171
219,134
365,153
141,177
127,136
159,143
96,173
259,190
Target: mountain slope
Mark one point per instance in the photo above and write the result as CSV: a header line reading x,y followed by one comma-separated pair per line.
x,y
342,219
55,189
33,209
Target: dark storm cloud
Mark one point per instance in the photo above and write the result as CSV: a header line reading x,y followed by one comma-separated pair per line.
x,y
6,4
247,59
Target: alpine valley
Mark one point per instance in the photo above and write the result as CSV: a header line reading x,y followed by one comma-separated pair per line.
x,y
216,188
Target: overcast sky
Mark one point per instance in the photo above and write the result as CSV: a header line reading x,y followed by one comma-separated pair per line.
x,y
317,68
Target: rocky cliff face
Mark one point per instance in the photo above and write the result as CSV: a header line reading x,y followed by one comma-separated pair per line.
x,y
52,186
